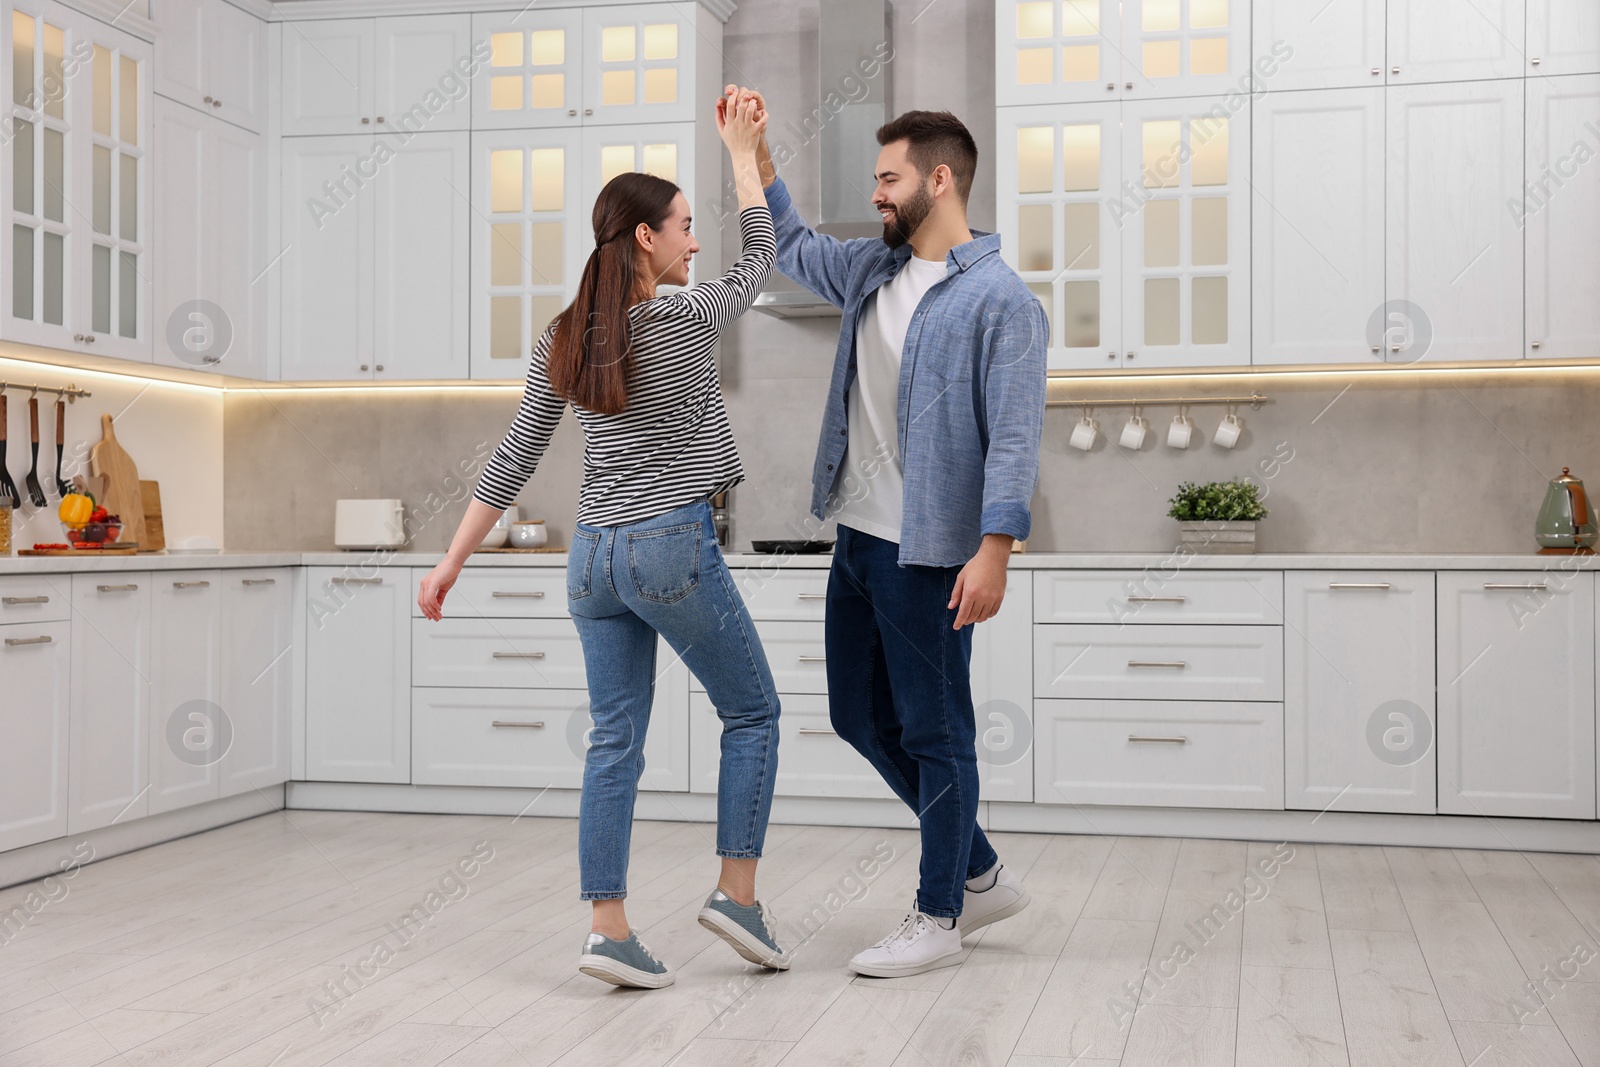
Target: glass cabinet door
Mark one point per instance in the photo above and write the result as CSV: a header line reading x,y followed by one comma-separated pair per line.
x,y
1185,47
665,150
639,62
532,76
118,175
527,244
1057,51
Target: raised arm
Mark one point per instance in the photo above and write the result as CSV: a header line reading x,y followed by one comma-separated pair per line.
x,y
516,458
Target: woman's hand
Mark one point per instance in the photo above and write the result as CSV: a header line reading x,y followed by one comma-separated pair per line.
x,y
435,585
741,120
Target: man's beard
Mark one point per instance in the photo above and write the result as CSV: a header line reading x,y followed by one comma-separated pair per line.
x,y
907,217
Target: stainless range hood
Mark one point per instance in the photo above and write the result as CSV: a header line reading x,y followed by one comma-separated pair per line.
x,y
841,134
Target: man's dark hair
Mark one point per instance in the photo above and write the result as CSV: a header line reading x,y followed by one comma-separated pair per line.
x,y
935,137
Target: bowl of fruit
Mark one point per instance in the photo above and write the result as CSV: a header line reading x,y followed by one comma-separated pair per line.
x,y
86,524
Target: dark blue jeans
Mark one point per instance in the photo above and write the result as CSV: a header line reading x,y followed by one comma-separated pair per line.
x,y
899,691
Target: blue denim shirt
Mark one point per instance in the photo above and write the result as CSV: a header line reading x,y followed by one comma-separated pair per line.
x,y
972,386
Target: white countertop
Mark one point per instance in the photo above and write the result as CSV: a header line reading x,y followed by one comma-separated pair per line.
x,y
1162,562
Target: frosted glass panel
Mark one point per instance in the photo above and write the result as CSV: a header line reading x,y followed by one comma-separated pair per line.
x,y
615,159
616,88
55,175
505,180
1209,243
1209,140
661,41
1080,148
1160,310
1036,147
549,47
661,85
547,253
22,166
101,296
102,189
1035,20
1208,55
22,61
545,309
129,115
505,327
1210,311
1080,63
128,295
55,278
1047,297
1161,59
1160,15
1161,143
1082,229
505,50
1080,317
22,272
549,90
1033,66
1161,233
547,168
1080,17
617,44
505,253
505,93
128,197
102,90
1204,14
1035,230
55,79
661,160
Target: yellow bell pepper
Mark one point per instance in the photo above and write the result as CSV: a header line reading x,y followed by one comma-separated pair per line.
x,y
75,507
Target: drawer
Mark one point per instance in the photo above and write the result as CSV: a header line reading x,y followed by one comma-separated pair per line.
x,y
1203,754
29,598
783,594
1158,595
813,761
795,654
500,593
1159,662
508,653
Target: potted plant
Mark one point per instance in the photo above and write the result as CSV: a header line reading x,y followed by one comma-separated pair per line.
x,y
1217,516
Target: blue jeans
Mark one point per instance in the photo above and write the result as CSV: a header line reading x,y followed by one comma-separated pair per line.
x,y
899,691
625,585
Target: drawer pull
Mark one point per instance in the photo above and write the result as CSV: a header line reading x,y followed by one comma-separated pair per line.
x,y
1157,599
12,642
1514,585
10,600
1140,739
529,725
812,596
259,581
356,581
518,596
813,659
812,731
1358,585
191,585
116,588
519,655
1157,663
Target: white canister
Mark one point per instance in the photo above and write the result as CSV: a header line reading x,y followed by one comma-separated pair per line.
x,y
529,533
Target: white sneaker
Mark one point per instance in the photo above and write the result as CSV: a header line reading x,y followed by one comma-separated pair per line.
x,y
1002,900
920,944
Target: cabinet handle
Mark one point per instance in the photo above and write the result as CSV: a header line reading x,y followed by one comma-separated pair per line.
x,y
341,580
116,588
812,596
519,596
88,338
363,366
1156,599
1110,86
1141,739
529,725
572,111
1358,585
1129,85
190,585
1513,585
1396,70
1376,71
208,100
12,642
1535,344
1111,355
812,731
1157,663
1375,348
1536,61
813,659
519,655
378,367
1132,354
259,581
10,600
366,121
216,103
380,118
588,111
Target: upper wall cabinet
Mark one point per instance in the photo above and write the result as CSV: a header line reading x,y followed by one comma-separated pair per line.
x,y
406,73
534,77
212,56
1063,51
1559,212
75,219
1451,40
1321,45
1563,37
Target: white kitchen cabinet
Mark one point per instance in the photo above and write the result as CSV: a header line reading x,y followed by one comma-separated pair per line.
x,y
187,727
1159,662
212,56
1185,48
1318,255
813,760
1167,593
1559,212
1563,37
1455,253
110,719
210,223
1358,702
1321,45
35,677
358,674
496,653
75,225
1516,663
1445,40
533,78
328,75
327,270
258,672
403,72
639,63
1002,694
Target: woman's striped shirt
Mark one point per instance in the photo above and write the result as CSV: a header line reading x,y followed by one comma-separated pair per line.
x,y
672,444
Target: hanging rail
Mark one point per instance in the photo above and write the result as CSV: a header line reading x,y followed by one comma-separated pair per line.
x,y
1255,400
70,391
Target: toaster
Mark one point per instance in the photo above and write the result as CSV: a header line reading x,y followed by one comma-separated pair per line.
x,y
369,524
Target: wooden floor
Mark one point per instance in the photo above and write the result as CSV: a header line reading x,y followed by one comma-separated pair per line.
x,y
254,944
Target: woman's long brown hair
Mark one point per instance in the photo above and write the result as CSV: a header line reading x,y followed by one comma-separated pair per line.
x,y
591,354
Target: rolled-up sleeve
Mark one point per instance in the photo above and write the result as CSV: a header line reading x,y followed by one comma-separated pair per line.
x,y
1014,403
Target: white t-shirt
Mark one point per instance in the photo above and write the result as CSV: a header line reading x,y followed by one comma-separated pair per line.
x,y
873,476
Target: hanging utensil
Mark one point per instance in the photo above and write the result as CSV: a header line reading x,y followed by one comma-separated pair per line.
x,y
62,488
35,490
8,488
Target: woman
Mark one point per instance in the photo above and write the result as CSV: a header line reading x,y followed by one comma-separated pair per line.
x,y
639,371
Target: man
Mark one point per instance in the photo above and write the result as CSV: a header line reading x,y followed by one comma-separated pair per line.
x,y
928,460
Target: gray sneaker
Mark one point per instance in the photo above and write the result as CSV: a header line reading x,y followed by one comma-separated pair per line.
x,y
626,963
750,930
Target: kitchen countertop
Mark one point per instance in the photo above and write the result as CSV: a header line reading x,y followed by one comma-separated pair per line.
x,y
1157,562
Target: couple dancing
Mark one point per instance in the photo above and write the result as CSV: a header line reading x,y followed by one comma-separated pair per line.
x,y
934,413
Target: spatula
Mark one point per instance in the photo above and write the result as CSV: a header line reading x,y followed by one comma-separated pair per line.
x,y
62,488
8,488
35,490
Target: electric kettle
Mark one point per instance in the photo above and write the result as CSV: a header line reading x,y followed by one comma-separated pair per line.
x,y
1566,523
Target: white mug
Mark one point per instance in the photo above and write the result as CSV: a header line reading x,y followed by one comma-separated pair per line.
x,y
1180,431
1084,433
1133,433
1228,432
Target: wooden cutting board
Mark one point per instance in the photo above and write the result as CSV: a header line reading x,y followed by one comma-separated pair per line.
x,y
122,482
155,536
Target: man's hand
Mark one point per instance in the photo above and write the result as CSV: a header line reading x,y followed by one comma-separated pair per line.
x,y
981,585
764,163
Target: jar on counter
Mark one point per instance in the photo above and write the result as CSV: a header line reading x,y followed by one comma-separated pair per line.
x,y
5,528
